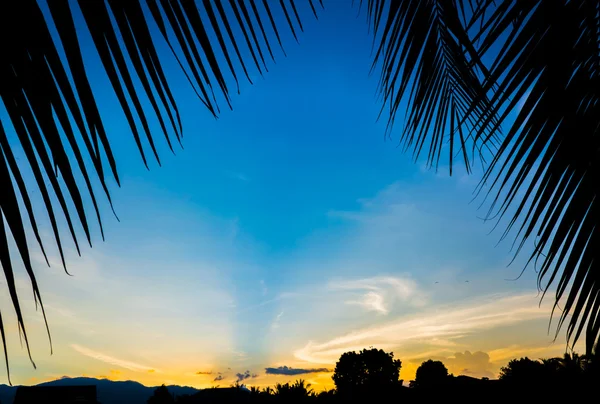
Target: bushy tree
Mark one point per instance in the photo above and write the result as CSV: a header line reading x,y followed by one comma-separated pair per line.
x,y
524,371
371,371
161,396
431,374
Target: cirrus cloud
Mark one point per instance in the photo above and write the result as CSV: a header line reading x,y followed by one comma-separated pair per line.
x,y
381,292
451,323
136,367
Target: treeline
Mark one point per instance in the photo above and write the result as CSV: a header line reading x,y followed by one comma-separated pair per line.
x,y
374,376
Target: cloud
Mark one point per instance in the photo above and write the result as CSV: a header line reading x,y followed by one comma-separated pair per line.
x,y
442,342
389,208
476,364
246,375
218,378
275,323
263,287
450,323
381,292
471,364
204,373
239,355
288,371
234,228
516,351
136,367
238,176
281,296
372,301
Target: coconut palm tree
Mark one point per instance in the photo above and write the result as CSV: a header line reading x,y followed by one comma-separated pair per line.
x,y
508,84
570,368
293,392
591,362
36,82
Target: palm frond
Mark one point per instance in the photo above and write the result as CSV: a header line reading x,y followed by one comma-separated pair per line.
x,y
53,109
550,56
546,167
429,61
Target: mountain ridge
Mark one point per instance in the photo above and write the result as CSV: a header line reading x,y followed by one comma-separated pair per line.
x,y
108,391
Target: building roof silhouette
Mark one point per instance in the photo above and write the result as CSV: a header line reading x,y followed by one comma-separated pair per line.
x,y
55,395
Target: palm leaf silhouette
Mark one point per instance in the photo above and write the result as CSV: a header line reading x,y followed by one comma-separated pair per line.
x,y
41,91
550,56
546,167
428,60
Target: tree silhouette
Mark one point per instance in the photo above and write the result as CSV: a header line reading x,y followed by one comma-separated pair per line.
x,y
297,392
502,82
525,371
161,396
326,395
591,364
571,368
431,374
368,372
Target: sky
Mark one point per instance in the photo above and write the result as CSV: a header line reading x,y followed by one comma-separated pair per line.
x,y
285,233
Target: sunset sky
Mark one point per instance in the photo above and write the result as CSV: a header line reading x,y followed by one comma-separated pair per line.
x,y
286,232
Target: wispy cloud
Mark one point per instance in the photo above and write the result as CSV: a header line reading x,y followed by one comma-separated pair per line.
x,y
275,323
200,373
281,296
516,351
380,293
238,176
288,371
441,342
234,228
263,287
80,325
218,378
455,322
372,301
239,355
136,367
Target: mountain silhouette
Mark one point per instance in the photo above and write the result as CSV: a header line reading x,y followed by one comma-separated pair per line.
x,y
109,392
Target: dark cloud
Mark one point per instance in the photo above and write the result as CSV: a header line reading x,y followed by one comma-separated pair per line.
x,y
218,378
284,370
245,375
204,373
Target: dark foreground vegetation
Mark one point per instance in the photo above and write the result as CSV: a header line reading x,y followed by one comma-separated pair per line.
x,y
374,376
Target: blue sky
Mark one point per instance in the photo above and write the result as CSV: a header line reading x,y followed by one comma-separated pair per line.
x,y
287,231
